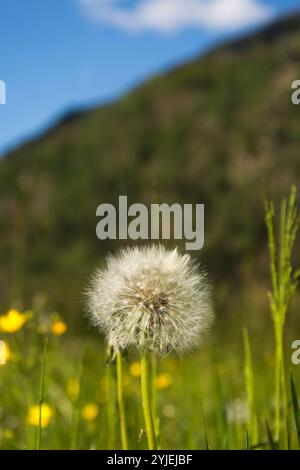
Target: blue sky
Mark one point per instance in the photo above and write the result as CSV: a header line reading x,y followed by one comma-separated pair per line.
x,y
57,55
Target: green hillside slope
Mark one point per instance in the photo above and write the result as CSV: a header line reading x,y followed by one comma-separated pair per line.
x,y
206,132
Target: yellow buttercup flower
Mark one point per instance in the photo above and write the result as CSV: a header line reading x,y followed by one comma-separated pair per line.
x,y
135,369
13,320
58,327
73,388
90,412
34,414
5,353
163,381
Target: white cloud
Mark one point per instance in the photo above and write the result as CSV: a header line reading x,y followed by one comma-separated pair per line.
x,y
175,15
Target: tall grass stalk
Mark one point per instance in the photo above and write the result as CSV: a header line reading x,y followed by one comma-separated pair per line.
x,y
284,284
121,404
249,383
41,396
151,437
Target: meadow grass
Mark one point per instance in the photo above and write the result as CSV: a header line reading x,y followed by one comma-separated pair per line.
x,y
202,400
62,391
284,284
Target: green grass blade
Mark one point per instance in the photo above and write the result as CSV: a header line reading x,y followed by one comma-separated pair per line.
x,y
247,440
295,407
249,383
272,443
207,447
41,397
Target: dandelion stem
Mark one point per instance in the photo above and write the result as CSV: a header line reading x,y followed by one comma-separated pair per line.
x,y
153,384
152,444
41,397
121,405
110,407
154,396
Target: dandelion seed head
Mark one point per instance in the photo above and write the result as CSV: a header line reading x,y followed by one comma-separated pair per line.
x,y
151,299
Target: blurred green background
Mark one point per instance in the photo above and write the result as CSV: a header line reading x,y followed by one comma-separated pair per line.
x,y
215,131
211,131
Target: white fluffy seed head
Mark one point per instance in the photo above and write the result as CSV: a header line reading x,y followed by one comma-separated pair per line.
x,y
151,299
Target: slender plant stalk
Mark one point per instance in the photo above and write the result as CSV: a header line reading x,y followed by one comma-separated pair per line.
x,y
110,407
281,410
121,405
207,446
41,397
152,444
153,384
249,383
284,284
154,396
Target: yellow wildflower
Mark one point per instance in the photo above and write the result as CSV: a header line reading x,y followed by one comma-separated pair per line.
x,y
73,388
34,414
163,381
58,327
90,412
5,353
135,369
13,320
